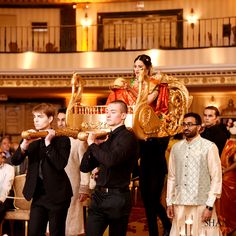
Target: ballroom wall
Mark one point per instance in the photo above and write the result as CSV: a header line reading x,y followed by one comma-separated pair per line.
x,y
218,99
47,75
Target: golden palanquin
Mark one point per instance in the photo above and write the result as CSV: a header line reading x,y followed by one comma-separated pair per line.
x,y
141,117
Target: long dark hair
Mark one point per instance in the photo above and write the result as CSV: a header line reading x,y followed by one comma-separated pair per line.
x,y
146,61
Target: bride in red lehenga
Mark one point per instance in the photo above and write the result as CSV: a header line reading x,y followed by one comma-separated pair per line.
x,y
152,166
158,92
227,203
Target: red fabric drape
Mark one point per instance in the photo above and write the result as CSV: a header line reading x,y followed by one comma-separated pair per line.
x,y
123,95
226,205
162,100
159,105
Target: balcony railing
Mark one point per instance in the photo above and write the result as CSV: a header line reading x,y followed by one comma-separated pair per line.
x,y
217,32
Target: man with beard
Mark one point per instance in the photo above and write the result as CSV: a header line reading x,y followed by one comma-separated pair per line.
x,y
194,182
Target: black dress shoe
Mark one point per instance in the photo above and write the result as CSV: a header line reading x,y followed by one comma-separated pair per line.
x,y
166,232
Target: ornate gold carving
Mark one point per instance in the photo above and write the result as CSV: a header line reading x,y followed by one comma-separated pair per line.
x,y
145,122
230,110
23,2
61,132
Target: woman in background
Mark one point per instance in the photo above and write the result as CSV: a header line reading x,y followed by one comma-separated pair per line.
x,y
227,203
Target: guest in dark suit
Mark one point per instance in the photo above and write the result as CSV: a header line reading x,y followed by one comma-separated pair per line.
x,y
153,169
46,182
213,131
5,145
115,158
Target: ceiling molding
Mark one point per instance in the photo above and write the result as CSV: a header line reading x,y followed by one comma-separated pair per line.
x,y
55,81
93,81
44,2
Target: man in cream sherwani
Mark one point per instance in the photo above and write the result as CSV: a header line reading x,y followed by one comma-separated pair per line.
x,y
79,182
194,182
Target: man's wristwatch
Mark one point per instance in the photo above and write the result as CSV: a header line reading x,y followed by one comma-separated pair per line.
x,y
209,208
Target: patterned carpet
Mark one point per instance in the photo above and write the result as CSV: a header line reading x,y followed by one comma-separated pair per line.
x,y
137,223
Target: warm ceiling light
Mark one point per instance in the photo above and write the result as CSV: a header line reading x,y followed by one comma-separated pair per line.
x,y
140,5
192,18
86,22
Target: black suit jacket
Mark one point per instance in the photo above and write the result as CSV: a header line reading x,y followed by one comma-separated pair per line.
x,y
54,159
217,135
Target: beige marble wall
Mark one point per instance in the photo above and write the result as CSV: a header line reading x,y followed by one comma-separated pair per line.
x,y
203,8
218,99
23,17
111,62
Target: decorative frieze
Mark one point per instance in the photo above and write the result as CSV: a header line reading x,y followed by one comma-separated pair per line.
x,y
11,2
190,79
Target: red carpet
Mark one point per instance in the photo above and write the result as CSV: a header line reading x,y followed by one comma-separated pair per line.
x,y
137,222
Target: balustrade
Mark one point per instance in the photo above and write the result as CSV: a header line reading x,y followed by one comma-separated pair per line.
x,y
173,34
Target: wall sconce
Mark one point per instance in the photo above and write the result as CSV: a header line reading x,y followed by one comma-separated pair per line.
x,y
86,22
212,99
140,5
192,18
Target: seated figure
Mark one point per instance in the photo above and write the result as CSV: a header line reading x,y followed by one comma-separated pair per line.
x,y
128,92
156,103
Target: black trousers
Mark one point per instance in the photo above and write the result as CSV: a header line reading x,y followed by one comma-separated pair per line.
x,y
43,211
108,209
6,205
153,170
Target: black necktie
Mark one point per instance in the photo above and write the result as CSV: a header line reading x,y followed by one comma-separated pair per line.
x,y
42,146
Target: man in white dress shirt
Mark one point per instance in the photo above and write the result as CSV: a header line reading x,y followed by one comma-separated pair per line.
x,y
7,174
194,182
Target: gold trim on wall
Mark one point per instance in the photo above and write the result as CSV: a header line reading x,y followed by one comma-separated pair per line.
x,y
23,2
55,81
193,79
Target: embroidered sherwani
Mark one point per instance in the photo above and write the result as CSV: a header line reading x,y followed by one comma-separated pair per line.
x,y
80,184
194,181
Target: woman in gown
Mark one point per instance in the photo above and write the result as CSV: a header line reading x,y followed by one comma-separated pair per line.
x,y
227,203
152,150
